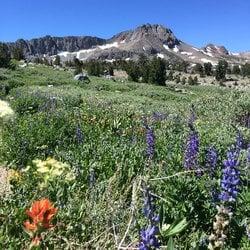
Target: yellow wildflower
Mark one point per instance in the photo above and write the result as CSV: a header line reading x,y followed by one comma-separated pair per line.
x,y
51,168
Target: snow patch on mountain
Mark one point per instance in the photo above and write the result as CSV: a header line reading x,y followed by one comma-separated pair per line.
x,y
166,47
186,53
108,46
160,55
176,49
196,49
208,53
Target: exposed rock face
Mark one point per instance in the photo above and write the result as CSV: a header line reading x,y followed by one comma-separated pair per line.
x,y
216,50
53,45
148,34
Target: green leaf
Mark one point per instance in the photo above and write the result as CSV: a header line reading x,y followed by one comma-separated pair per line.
x,y
175,228
170,245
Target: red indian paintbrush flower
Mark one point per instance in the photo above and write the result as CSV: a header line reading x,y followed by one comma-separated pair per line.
x,y
40,213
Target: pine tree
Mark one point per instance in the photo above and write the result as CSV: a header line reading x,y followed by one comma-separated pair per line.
x,y
195,81
246,69
143,64
133,71
157,71
4,56
94,68
221,69
17,53
236,70
190,80
57,61
208,68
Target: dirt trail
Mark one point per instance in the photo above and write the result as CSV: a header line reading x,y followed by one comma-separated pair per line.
x,y
4,183
5,113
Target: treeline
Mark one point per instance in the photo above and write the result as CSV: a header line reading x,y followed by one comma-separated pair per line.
x,y
7,54
143,70
221,70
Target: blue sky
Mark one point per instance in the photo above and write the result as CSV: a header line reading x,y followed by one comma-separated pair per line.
x,y
198,22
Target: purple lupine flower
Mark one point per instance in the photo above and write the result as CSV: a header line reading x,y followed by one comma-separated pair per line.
x,y
211,159
150,140
148,238
230,177
148,234
192,151
79,135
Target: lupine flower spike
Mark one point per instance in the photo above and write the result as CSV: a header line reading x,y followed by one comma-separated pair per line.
x,y
79,135
150,140
192,151
229,190
211,160
148,235
230,177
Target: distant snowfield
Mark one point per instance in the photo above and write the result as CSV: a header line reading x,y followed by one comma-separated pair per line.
x,y
166,47
108,46
160,55
196,49
208,53
176,49
82,54
186,53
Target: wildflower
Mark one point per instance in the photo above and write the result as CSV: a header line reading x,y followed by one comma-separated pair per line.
x,y
220,227
51,168
79,135
150,140
192,151
14,175
41,214
149,235
211,159
230,177
148,238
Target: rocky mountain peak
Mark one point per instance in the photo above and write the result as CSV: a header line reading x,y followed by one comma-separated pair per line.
x,y
216,49
148,34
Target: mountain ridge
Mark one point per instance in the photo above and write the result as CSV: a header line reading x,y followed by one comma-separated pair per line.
x,y
148,39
